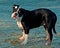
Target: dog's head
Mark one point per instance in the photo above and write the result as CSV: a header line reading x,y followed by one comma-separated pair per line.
x,y
16,11
15,7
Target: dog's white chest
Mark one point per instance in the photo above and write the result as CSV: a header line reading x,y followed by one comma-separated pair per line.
x,y
19,25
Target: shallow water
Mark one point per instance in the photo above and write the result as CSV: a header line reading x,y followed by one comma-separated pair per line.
x,y
9,32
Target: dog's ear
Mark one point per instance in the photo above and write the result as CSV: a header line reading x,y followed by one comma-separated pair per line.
x,y
15,6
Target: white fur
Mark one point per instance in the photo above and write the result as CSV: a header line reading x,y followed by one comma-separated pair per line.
x,y
18,20
16,7
26,39
25,35
19,24
12,15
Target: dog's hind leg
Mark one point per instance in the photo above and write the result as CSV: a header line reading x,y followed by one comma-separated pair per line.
x,y
48,28
50,37
47,34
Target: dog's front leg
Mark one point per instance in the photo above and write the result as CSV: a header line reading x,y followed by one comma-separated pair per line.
x,y
24,37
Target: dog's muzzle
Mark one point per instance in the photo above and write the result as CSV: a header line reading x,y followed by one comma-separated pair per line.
x,y
14,15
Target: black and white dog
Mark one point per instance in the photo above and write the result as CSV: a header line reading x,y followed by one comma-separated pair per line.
x,y
35,18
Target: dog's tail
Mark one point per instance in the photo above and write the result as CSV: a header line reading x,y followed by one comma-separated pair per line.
x,y
54,24
54,30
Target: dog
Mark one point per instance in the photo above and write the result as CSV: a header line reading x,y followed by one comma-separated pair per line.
x,y
27,20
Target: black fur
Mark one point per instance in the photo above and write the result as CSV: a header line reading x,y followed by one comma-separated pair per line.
x,y
36,18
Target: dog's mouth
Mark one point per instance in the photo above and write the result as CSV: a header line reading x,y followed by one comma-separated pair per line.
x,y
14,15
